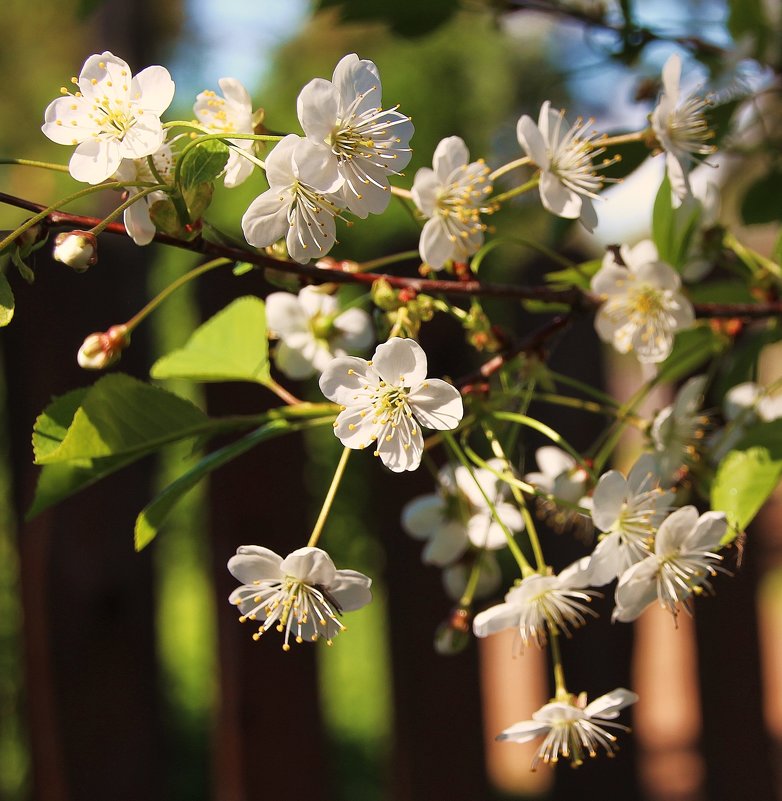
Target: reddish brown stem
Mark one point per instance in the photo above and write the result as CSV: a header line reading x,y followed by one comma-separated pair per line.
x,y
576,299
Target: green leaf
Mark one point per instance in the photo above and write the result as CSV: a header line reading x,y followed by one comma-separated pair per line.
x,y
727,291
6,301
673,228
119,416
24,269
198,197
53,422
203,163
231,346
154,515
581,275
744,481
244,267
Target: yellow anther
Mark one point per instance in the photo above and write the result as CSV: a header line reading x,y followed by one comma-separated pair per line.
x,y
286,646
257,636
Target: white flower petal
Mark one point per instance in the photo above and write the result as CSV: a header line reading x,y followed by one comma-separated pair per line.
x,y
350,589
138,223
312,565
156,89
400,362
266,219
318,109
447,544
253,563
558,198
608,706
450,154
496,618
532,141
423,516
94,160
436,404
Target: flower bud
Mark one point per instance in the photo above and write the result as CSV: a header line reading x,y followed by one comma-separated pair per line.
x,y
453,635
77,249
100,350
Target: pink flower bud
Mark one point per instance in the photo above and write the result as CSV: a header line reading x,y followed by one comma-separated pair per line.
x,y
77,249
100,350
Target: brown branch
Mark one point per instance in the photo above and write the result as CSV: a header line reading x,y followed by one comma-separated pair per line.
x,y
533,343
576,299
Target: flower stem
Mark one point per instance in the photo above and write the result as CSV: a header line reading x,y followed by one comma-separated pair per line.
x,y
511,165
560,688
330,495
621,139
281,392
517,190
49,209
142,193
373,264
44,165
524,565
465,602
171,288
529,523
403,193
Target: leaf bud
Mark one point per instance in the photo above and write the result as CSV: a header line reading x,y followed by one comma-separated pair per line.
x,y
77,249
102,349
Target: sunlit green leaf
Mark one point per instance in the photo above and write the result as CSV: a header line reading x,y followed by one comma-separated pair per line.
x,y
203,163
6,301
748,475
231,346
53,422
119,416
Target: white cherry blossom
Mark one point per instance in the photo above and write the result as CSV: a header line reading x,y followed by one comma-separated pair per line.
x,y
629,511
538,602
458,514
299,204
368,143
302,595
232,113
680,127
114,115
136,217
572,728
684,558
643,308
388,399
558,474
452,196
312,330
568,180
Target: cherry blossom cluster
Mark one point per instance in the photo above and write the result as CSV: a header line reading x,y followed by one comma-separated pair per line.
x,y
641,532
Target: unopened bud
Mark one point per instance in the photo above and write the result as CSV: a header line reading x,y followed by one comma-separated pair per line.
x,y
102,349
453,635
77,249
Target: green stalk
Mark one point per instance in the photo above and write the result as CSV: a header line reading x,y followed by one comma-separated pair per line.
x,y
329,500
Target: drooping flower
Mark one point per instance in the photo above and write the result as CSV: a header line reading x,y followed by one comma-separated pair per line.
x,y
232,113
568,180
453,196
684,558
643,308
539,602
101,349
367,142
573,729
312,330
136,217
680,127
299,204
629,511
388,399
303,595
676,428
114,115
458,514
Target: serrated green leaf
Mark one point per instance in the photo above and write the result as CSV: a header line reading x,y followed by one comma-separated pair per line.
x,y
6,301
154,515
24,269
748,475
198,197
53,422
203,163
231,346
121,416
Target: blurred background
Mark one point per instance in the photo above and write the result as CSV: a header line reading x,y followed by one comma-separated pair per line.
x,y
127,676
